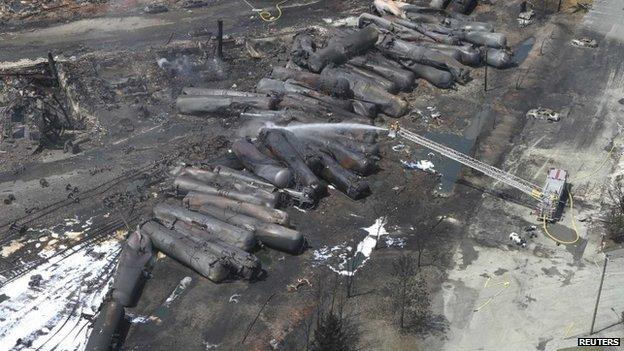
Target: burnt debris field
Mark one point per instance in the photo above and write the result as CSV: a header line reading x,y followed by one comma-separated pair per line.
x,y
310,175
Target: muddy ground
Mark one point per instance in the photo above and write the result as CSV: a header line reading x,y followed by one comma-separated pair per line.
x,y
136,136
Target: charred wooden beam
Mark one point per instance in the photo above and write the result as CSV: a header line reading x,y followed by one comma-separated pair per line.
x,y
168,214
196,200
340,50
270,234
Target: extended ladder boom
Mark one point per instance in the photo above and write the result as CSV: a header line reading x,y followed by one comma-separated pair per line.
x,y
498,174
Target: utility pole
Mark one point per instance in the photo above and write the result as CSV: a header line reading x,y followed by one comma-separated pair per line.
x,y
220,39
604,269
559,6
485,67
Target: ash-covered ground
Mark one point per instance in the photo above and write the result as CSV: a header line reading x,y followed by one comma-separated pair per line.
x,y
68,204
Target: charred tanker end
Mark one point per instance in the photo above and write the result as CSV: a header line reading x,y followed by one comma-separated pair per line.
x,y
278,144
349,159
239,262
187,183
187,251
362,90
135,254
105,326
341,50
364,108
202,105
228,160
262,165
439,78
235,236
344,180
196,200
270,234
332,86
403,50
403,79
290,86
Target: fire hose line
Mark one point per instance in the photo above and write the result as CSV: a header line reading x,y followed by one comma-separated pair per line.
x,y
266,15
572,219
602,164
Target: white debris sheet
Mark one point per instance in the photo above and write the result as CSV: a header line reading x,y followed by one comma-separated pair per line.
x,y
423,165
348,262
51,313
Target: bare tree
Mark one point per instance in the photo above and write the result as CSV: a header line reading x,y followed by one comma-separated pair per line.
x,y
615,217
409,293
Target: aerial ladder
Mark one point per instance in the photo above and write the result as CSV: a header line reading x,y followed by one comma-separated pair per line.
x,y
549,197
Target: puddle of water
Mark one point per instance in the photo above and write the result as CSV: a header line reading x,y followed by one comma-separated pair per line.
x,y
523,50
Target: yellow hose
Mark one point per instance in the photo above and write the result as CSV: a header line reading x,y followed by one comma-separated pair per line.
x,y
573,220
266,15
604,162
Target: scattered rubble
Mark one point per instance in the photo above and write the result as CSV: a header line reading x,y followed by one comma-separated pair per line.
x,y
544,114
584,42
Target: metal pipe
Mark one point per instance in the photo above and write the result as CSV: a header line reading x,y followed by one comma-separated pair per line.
x,y
187,251
196,200
168,214
270,234
188,183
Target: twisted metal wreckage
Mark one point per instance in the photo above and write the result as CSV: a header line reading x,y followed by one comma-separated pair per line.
x,y
231,204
